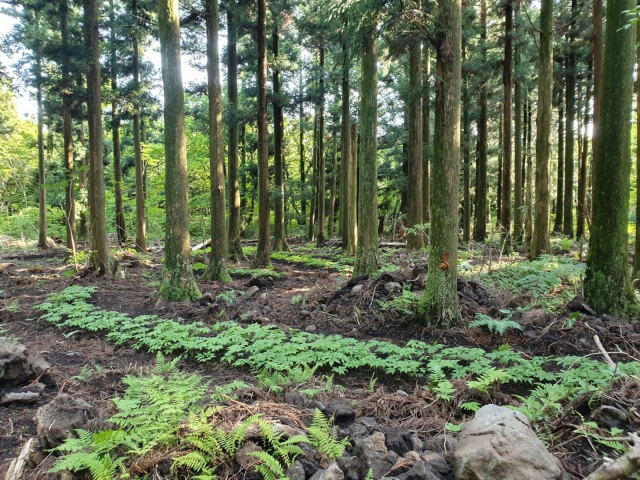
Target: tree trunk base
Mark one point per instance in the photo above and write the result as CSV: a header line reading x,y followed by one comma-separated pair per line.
x,y
217,271
179,285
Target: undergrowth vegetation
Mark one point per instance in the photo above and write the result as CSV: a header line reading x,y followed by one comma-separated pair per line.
x,y
551,381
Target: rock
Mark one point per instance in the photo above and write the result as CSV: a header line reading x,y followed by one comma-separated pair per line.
x,y
436,463
340,410
243,454
357,289
402,393
612,321
305,313
349,465
379,463
58,419
373,443
398,440
295,472
579,305
262,297
340,293
332,472
412,456
419,471
418,444
608,417
206,299
246,296
261,282
392,287
296,399
419,269
29,395
18,365
499,444
536,318
357,280
443,442
310,328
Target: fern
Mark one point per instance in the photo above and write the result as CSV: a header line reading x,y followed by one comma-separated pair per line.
x,y
494,326
324,438
488,378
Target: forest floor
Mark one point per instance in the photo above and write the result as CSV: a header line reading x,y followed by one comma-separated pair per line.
x,y
311,290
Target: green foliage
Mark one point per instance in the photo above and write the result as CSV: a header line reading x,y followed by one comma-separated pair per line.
x,y
324,438
275,381
342,264
256,273
494,326
403,304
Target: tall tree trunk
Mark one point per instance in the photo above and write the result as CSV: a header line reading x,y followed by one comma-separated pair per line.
x,y
217,268
529,193
177,277
598,67
69,209
415,241
348,211
42,192
507,106
235,246
314,180
334,173
466,149
83,229
426,135
322,170
480,227
607,285
141,227
100,257
439,304
541,242
582,178
303,185
263,255
636,254
279,235
567,223
352,190
115,132
367,260
518,214
557,226
500,169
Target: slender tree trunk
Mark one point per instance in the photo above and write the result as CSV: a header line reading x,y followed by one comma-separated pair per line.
x,y
217,268
529,194
557,226
70,209
314,180
177,283
541,242
582,179
607,285
636,254
279,235
334,173
507,106
598,67
500,170
439,304
480,227
303,185
83,182
367,260
567,223
141,231
415,241
235,247
466,149
352,191
347,211
263,255
322,170
115,132
518,215
426,135
42,192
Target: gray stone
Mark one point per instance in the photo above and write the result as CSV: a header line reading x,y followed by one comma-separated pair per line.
x,y
609,417
296,399
305,313
29,395
295,472
443,442
418,444
358,431
579,305
436,463
536,318
398,440
349,465
379,464
332,472
392,287
246,296
340,410
419,471
59,419
243,454
499,444
373,443
310,328
402,393
357,289
18,365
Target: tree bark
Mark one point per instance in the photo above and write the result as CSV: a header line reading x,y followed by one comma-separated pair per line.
x,y
541,242
314,180
42,192
529,191
303,184
598,66
567,221
367,260
217,268
334,173
439,304
607,284
500,175
557,225
507,106
415,241
582,174
466,149
518,215
352,190
235,247
480,226
322,170
279,235
141,230
263,254
636,254
177,277
426,136
348,210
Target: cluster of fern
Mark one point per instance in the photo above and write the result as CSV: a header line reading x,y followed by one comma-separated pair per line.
x,y
161,411
277,353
